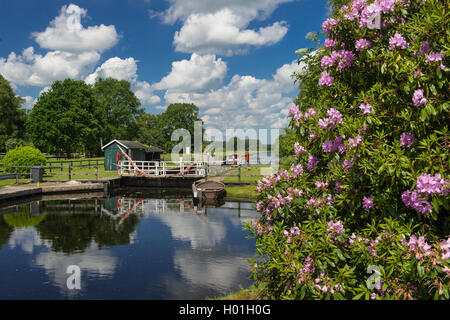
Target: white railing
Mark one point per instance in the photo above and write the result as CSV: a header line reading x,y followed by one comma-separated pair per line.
x,y
163,168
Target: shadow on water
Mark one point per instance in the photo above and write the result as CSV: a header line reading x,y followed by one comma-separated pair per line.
x,y
127,246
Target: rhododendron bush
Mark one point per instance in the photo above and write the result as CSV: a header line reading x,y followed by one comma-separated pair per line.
x,y
364,213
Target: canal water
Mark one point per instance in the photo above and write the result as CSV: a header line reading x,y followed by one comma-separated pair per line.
x,y
123,248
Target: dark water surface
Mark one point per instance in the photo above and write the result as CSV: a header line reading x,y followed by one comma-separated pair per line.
x,y
126,248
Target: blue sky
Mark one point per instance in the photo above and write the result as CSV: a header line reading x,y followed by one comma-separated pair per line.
x,y
232,58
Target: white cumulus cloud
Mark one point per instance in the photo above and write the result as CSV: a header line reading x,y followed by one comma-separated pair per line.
x,y
221,26
245,101
31,69
249,9
224,33
74,51
144,91
66,33
200,73
117,68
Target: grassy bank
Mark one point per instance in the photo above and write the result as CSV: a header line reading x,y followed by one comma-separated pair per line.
x,y
242,192
257,291
247,191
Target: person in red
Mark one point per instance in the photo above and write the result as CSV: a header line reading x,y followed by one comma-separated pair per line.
x,y
247,158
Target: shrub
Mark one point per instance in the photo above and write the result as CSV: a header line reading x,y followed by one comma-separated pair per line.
x,y
24,156
369,191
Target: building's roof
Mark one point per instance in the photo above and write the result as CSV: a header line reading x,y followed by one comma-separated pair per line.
x,y
153,149
126,144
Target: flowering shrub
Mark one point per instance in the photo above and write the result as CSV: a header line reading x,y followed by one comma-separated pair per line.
x,y
370,187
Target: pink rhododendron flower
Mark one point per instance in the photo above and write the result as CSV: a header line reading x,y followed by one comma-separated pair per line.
x,y
419,98
327,146
311,112
330,43
428,184
334,115
296,170
348,164
337,227
407,139
362,44
445,246
312,162
413,200
434,57
299,149
327,61
368,202
343,57
320,184
354,142
419,246
328,25
424,48
326,123
397,41
326,80
295,113
369,13
366,108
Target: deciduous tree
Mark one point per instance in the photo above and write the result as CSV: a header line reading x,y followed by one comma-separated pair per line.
x,y
65,119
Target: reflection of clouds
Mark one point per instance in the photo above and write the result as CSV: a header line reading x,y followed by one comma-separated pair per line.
x,y
93,261
133,237
26,239
219,273
200,233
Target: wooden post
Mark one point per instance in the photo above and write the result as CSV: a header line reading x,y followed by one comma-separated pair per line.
x,y
96,172
61,166
89,163
239,174
70,173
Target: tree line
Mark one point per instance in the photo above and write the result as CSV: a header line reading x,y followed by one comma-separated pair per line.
x,y
75,117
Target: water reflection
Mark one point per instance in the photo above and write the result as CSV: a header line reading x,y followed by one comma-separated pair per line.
x,y
127,248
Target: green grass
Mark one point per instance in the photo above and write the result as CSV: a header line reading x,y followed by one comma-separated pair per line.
x,y
255,292
78,173
58,174
244,171
242,192
13,182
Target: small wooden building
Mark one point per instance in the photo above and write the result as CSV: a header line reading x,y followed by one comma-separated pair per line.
x,y
134,149
153,153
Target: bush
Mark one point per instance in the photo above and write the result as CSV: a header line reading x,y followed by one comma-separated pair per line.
x,y
23,156
365,211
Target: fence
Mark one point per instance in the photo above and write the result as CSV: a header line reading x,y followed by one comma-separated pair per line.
x,y
89,163
69,173
220,171
164,168
10,176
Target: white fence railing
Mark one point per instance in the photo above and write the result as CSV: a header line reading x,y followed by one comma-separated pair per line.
x,y
164,168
